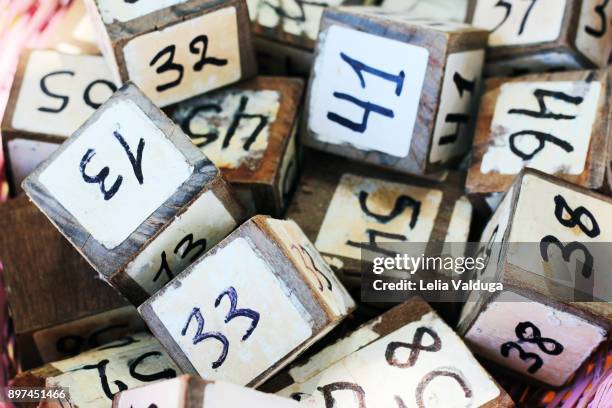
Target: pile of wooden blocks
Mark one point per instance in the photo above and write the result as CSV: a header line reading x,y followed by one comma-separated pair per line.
x,y
184,230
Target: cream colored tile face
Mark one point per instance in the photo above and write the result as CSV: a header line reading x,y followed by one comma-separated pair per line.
x,y
231,127
543,125
133,365
568,216
594,35
69,339
312,267
127,143
372,106
204,224
365,210
519,22
59,92
223,394
461,218
293,17
186,59
387,371
163,394
515,323
26,155
264,325
441,10
113,10
462,77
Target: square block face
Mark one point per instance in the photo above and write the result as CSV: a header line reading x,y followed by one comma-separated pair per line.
x,y
380,374
568,339
361,97
59,92
392,211
204,224
520,22
163,394
131,147
594,35
112,10
543,125
461,81
25,155
232,127
186,59
253,301
569,216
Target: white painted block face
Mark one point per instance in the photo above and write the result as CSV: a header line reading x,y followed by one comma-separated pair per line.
x,y
59,92
163,394
594,35
186,59
80,374
110,221
550,144
572,338
122,11
70,338
312,267
342,88
442,10
521,22
461,218
204,224
26,155
292,17
380,373
554,215
462,77
218,126
266,306
360,204
224,394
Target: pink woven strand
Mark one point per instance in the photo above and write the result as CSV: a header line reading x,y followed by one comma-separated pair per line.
x,y
603,396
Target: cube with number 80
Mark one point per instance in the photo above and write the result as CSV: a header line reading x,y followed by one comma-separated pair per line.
x,y
175,49
136,198
249,306
548,243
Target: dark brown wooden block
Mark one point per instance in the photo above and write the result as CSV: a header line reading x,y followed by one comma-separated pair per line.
x,y
411,113
54,295
187,391
249,132
177,49
93,378
344,206
52,95
549,246
556,123
287,288
542,35
371,365
132,193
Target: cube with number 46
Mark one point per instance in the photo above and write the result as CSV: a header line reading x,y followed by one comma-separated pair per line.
x,y
136,198
250,306
175,49
548,243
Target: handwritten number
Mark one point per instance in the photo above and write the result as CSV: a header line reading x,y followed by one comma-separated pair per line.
x,y
194,49
87,92
429,377
567,251
575,219
161,375
136,162
542,138
600,10
329,389
167,65
526,16
401,203
521,331
238,116
198,246
209,137
544,112
99,178
233,312
415,347
100,367
508,9
45,89
200,335
310,264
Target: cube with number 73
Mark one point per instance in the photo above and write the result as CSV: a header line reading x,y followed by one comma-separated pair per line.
x,y
249,306
548,244
134,195
175,49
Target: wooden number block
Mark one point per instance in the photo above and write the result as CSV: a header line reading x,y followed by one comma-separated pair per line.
x,y
439,10
191,392
556,123
176,49
41,269
345,207
51,96
134,195
74,33
93,378
261,297
410,112
545,34
407,357
532,327
249,132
